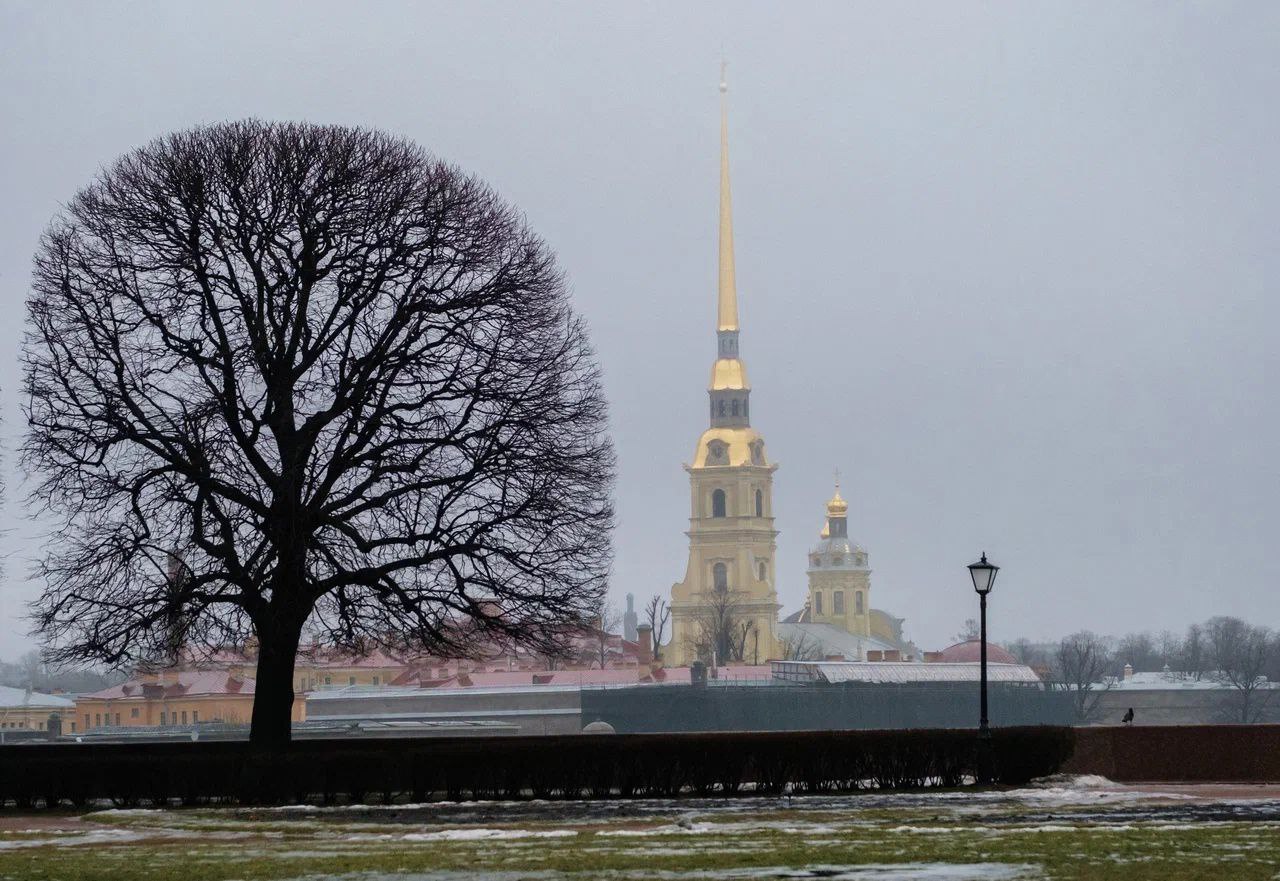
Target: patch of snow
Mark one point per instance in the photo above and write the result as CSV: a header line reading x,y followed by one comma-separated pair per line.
x,y
1073,781
63,839
481,834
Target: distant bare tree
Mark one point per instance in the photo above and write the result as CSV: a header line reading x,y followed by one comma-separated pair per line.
x,y
722,630
1038,656
971,630
657,613
1240,654
1139,651
801,648
1193,654
1081,662
603,622
1168,649
31,671
339,376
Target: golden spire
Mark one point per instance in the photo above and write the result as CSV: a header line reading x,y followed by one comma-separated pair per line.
x,y
728,310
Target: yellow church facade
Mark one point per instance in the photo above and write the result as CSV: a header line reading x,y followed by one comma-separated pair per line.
x,y
725,611
726,608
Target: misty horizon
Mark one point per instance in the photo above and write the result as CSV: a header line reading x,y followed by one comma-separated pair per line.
x,y
1005,267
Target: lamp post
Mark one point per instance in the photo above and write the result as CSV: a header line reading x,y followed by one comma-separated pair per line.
x,y
984,578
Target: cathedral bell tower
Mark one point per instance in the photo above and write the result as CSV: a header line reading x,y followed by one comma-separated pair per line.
x,y
726,609
839,577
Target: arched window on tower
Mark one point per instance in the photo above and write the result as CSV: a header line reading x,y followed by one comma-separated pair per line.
x,y
721,408
733,407
817,602
857,602
837,602
717,503
759,503
764,572
720,577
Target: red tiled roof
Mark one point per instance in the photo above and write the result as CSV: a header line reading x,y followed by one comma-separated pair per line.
x,y
185,683
970,652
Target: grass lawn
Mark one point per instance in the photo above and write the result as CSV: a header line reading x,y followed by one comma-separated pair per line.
x,y
1061,831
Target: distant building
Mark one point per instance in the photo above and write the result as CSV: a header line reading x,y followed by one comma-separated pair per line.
x,y
730,573
970,652
169,698
837,621
900,672
25,710
630,621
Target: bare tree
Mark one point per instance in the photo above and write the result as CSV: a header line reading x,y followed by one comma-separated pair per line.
x,y
1193,655
31,671
1038,656
1168,648
1081,663
970,631
1241,653
722,633
339,376
801,647
1137,650
604,620
658,613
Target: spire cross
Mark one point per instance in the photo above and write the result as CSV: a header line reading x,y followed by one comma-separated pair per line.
x,y
837,480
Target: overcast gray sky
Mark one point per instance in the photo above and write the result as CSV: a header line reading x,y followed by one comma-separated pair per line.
x,y
1011,267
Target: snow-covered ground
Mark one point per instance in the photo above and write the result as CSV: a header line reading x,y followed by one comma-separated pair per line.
x,y
929,835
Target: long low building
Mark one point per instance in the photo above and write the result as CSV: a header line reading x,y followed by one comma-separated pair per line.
x,y
896,672
24,710
531,709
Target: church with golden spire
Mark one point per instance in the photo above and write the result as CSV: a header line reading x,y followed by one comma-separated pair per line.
x,y
726,608
725,611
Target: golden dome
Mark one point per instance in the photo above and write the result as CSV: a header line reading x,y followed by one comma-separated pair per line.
x,y
837,507
736,446
826,530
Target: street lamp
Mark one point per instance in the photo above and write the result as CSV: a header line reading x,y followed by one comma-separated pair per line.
x,y
984,578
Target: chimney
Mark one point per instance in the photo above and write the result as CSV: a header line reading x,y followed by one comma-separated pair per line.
x,y
1128,671
875,655
932,657
892,655
644,636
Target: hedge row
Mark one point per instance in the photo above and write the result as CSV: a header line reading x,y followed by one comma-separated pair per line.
x,y
1167,753
576,766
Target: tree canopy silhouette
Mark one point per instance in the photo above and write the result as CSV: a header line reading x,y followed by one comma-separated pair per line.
x,y
337,379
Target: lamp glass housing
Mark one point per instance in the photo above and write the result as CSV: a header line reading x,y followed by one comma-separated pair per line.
x,y
983,574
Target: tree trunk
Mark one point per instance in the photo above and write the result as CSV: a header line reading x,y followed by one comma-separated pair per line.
x,y
273,694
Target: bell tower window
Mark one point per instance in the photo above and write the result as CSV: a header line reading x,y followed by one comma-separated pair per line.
x,y
764,572
857,602
817,602
837,601
718,503
720,577
759,503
